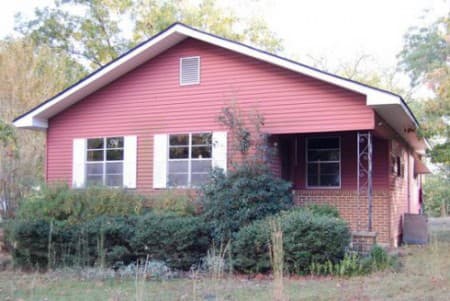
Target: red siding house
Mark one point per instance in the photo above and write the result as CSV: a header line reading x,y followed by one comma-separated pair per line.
x,y
148,121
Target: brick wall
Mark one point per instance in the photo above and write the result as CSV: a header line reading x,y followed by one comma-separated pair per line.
x,y
353,211
398,183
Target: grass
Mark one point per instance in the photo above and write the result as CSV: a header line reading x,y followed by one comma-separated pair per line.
x,y
424,275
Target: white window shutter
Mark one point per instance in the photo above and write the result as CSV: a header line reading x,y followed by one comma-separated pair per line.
x,y
219,150
129,162
79,163
160,153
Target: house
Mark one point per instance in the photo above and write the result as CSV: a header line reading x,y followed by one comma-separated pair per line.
x,y
148,121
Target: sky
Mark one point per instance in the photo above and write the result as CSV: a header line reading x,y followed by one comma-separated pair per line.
x,y
334,30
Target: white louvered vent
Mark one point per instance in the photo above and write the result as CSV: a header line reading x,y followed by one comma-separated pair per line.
x,y
190,70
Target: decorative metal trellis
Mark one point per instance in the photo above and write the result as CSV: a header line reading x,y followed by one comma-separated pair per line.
x,y
364,175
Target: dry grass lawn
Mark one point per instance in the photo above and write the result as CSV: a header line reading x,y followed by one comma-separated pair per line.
x,y
424,275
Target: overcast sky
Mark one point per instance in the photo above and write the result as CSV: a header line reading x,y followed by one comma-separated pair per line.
x,y
335,30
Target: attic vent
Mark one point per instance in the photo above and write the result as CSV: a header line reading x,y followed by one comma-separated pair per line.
x,y
190,70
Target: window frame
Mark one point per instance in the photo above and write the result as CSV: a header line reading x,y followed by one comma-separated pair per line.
x,y
307,185
104,162
180,74
189,159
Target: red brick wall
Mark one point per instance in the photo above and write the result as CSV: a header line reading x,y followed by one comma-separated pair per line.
x,y
354,212
404,189
389,205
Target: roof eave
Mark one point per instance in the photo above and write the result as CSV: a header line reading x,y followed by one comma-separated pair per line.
x,y
37,118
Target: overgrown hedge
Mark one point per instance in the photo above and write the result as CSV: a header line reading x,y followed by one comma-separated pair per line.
x,y
307,238
178,241
60,203
62,227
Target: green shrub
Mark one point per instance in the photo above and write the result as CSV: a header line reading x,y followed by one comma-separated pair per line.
x,y
323,210
355,264
29,240
60,203
247,193
180,203
437,194
178,241
306,239
102,241
108,240
380,259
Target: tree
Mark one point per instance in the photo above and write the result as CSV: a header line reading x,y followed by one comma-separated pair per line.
x,y
426,58
96,30
86,29
28,75
437,194
365,69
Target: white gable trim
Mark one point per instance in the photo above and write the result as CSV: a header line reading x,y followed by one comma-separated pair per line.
x,y
37,118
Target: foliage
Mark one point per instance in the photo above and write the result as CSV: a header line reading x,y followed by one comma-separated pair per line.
x,y
247,193
246,134
105,241
364,68
323,210
425,49
354,264
177,202
306,238
93,30
42,244
425,57
60,203
437,195
178,241
28,75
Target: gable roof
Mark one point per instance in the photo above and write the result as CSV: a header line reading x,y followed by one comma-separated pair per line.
x,y
389,106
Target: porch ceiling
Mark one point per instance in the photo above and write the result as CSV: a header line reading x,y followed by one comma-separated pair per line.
x,y
395,117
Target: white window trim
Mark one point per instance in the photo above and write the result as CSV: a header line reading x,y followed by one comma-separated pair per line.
x,y
307,162
181,71
189,159
104,161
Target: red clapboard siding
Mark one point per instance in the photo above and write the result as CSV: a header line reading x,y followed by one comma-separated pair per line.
x,y
149,100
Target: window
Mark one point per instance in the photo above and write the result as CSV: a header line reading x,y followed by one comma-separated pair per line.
x,y
104,161
190,70
323,159
190,159
397,166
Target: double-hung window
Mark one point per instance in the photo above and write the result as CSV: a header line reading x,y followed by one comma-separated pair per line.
x,y
104,161
189,160
323,157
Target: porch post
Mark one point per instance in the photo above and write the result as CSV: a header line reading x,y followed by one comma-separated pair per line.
x,y
364,173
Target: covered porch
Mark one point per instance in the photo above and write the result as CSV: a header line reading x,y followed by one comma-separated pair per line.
x,y
349,170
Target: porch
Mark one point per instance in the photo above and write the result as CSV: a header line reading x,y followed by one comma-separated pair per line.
x,y
348,170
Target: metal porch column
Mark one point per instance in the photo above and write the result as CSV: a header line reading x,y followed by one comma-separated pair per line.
x,y
364,173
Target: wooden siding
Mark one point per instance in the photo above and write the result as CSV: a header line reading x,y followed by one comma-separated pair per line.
x,y
149,100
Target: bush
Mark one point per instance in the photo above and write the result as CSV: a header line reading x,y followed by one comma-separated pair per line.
x,y
178,241
306,239
323,210
355,264
102,241
29,240
248,193
107,241
176,202
60,203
